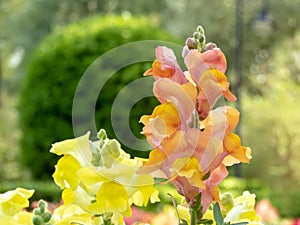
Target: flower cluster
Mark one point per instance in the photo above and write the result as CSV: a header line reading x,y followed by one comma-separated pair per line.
x,y
99,179
193,141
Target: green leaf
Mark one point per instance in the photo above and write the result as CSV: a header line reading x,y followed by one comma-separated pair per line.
x,y
197,205
183,222
206,221
241,223
217,214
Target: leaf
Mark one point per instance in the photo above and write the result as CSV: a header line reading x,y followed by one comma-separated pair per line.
x,y
197,205
241,223
183,222
217,214
206,221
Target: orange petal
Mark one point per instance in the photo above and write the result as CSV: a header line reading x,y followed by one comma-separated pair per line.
x,y
232,144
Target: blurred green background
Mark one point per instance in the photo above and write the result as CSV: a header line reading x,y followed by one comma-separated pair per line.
x,y
269,94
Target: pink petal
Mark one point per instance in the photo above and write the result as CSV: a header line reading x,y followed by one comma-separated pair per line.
x,y
167,59
167,90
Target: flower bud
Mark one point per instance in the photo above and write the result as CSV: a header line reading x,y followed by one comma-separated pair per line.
x,y
37,220
42,206
37,211
200,29
46,216
102,134
227,201
209,46
196,35
201,39
190,43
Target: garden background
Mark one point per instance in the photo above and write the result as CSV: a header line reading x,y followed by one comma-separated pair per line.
x,y
45,46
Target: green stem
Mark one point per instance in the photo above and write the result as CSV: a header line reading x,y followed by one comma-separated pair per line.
x,y
193,215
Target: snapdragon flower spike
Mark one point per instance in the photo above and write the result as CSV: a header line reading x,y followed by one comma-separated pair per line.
x,y
193,141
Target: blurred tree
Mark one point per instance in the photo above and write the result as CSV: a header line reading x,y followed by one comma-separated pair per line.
x,y
25,23
271,124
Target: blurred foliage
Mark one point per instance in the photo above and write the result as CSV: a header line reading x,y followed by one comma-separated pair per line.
x,y
287,203
272,127
52,77
236,186
10,169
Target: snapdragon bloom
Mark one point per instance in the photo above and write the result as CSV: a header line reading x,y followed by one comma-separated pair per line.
x,y
192,141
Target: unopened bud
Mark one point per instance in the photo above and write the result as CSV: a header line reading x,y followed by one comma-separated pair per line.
x,y
196,35
209,46
227,201
190,43
37,211
201,39
46,216
42,206
102,134
200,29
37,220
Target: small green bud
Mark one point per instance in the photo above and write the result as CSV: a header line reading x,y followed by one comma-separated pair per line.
x,y
196,35
46,217
37,220
200,29
227,201
196,42
101,134
42,206
37,211
201,39
113,148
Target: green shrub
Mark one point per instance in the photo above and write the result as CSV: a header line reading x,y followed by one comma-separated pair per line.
x,y
53,73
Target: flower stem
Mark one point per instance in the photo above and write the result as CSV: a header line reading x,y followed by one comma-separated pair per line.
x,y
193,215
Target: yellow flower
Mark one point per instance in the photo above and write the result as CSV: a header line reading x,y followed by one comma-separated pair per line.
x,y
100,178
71,214
14,201
243,210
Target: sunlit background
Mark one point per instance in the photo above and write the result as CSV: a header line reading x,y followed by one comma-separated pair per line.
x,y
260,38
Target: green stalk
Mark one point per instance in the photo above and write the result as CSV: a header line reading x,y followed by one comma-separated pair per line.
x,y
193,215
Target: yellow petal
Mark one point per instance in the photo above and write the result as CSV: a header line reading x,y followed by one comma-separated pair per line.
x,y
14,201
90,176
111,198
71,214
65,172
23,218
79,148
7,220
189,168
